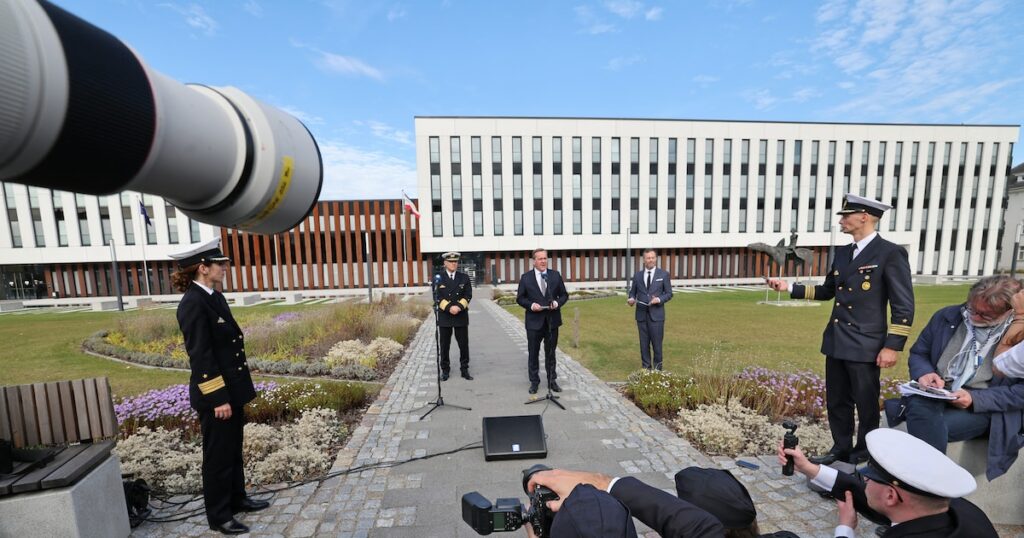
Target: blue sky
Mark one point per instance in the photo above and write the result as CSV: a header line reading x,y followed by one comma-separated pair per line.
x,y
357,72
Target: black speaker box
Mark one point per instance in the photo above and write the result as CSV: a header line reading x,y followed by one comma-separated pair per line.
x,y
513,438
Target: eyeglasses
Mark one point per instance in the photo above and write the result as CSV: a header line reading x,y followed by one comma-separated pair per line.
x,y
985,315
866,478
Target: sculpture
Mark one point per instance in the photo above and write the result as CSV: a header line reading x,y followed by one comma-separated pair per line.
x,y
782,253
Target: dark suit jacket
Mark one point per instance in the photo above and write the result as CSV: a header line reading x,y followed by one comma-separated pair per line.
x,y
862,288
216,351
529,293
665,513
963,520
450,293
661,287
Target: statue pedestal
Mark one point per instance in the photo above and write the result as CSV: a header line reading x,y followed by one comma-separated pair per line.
x,y
791,303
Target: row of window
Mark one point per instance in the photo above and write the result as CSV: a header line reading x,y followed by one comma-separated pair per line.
x,y
130,211
829,174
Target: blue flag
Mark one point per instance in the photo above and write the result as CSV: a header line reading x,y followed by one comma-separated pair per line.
x,y
142,211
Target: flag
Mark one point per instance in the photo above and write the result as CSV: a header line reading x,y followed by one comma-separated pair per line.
x,y
142,211
409,205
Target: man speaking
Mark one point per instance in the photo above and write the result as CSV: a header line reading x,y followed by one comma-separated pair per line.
x,y
454,292
649,291
542,293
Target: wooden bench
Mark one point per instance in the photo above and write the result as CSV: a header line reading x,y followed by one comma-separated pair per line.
x,y
77,419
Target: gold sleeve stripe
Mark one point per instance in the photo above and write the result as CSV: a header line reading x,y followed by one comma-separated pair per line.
x,y
444,304
899,330
809,293
464,303
212,385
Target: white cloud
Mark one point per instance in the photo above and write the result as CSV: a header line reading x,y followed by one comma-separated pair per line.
x,y
805,94
337,63
352,172
619,62
591,23
627,9
304,117
653,14
847,85
396,12
387,132
253,8
705,79
761,99
196,17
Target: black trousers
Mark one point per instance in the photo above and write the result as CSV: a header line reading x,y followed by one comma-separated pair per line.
x,y
462,338
849,385
533,340
223,470
652,333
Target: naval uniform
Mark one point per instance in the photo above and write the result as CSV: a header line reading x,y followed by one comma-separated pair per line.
x,y
457,291
220,375
857,331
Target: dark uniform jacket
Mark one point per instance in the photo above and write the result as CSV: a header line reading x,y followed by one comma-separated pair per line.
x,y
216,351
661,287
450,293
857,328
962,520
665,513
529,293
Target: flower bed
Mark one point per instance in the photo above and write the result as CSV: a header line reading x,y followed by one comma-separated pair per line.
x,y
293,432
293,343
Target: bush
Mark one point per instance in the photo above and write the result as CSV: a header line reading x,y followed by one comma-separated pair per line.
x,y
163,458
354,371
660,394
732,429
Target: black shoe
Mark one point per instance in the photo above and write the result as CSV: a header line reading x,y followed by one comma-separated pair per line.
x,y
858,455
533,388
444,376
554,386
232,526
250,505
830,458
466,376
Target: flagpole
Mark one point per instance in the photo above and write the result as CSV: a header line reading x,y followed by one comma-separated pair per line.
x,y
143,237
405,242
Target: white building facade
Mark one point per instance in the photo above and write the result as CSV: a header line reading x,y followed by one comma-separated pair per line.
x,y
700,191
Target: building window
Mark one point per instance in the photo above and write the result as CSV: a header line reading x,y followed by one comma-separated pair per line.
x,y
456,158
476,169
83,220
670,215
435,186
762,170
556,184
691,150
812,197
499,214
780,162
105,225
864,155
538,187
830,184
37,217
912,187
193,230
172,223
517,185
616,184
12,215
148,200
652,189
577,185
595,182
847,167
60,217
744,182
726,182
794,217
634,185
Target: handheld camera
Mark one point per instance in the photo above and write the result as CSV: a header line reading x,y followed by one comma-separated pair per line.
x,y
508,514
790,440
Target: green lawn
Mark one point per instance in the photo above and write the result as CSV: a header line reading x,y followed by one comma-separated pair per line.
x,y
47,347
720,332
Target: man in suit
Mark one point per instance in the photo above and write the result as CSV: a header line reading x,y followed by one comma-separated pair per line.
x,y
907,484
649,291
454,291
866,277
220,384
542,293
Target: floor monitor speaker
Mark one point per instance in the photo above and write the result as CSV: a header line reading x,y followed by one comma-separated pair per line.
x,y
511,438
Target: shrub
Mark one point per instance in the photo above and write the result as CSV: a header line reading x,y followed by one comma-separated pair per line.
x,y
162,458
354,371
732,429
660,394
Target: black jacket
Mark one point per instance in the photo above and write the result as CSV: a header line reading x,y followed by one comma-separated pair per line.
x,y
451,293
216,351
665,513
862,287
963,520
529,293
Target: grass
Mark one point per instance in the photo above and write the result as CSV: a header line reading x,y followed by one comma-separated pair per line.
x,y
47,347
722,332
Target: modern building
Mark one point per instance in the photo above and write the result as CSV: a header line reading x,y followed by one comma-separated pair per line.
x,y
1013,222
594,191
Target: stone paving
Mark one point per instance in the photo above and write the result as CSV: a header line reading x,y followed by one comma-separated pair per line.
x,y
599,431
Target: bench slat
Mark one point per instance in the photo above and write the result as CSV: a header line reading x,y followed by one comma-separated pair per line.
x,y
93,406
56,419
5,419
82,463
28,407
108,418
6,483
81,409
33,480
14,411
67,409
42,414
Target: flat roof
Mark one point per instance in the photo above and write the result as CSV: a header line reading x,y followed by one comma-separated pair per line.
x,y
714,121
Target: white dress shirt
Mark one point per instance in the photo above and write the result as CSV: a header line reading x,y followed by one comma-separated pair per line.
x,y
207,290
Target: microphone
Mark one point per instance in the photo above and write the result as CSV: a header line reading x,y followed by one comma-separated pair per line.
x,y
433,286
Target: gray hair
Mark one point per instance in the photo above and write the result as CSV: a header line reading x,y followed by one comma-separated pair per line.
x,y
995,291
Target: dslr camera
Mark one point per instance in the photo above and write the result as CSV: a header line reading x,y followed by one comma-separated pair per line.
x,y
507,515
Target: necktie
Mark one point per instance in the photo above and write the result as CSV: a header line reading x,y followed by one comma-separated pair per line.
x,y
856,250
648,279
543,284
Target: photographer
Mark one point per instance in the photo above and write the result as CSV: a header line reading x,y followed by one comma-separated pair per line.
x,y
906,483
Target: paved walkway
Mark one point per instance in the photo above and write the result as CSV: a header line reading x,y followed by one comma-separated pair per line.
x,y
599,431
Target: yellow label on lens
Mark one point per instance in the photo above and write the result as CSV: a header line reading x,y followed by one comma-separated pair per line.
x,y
283,184
865,286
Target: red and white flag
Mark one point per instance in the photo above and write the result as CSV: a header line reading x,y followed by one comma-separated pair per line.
x,y
409,205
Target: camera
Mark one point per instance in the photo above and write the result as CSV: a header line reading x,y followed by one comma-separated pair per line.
x,y
507,514
790,440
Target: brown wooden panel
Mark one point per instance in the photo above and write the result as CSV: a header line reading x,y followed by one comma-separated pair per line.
x,y
376,261
317,244
42,414
81,409
28,408
359,244
334,241
77,466
286,269
53,408
93,406
307,260
347,210
17,425
108,419
67,408
33,480
5,418
390,239
48,277
328,242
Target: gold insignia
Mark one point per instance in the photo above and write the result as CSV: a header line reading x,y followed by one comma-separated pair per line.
x,y
865,286
212,385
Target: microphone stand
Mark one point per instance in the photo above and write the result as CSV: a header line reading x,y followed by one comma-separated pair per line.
x,y
549,396
439,402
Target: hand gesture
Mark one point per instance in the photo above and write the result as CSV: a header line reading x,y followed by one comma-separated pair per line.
x,y
554,305
535,307
631,301
931,380
886,358
562,483
654,301
847,513
455,310
963,400
222,412
778,284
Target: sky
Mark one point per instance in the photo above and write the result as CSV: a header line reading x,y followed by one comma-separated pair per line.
x,y
358,72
